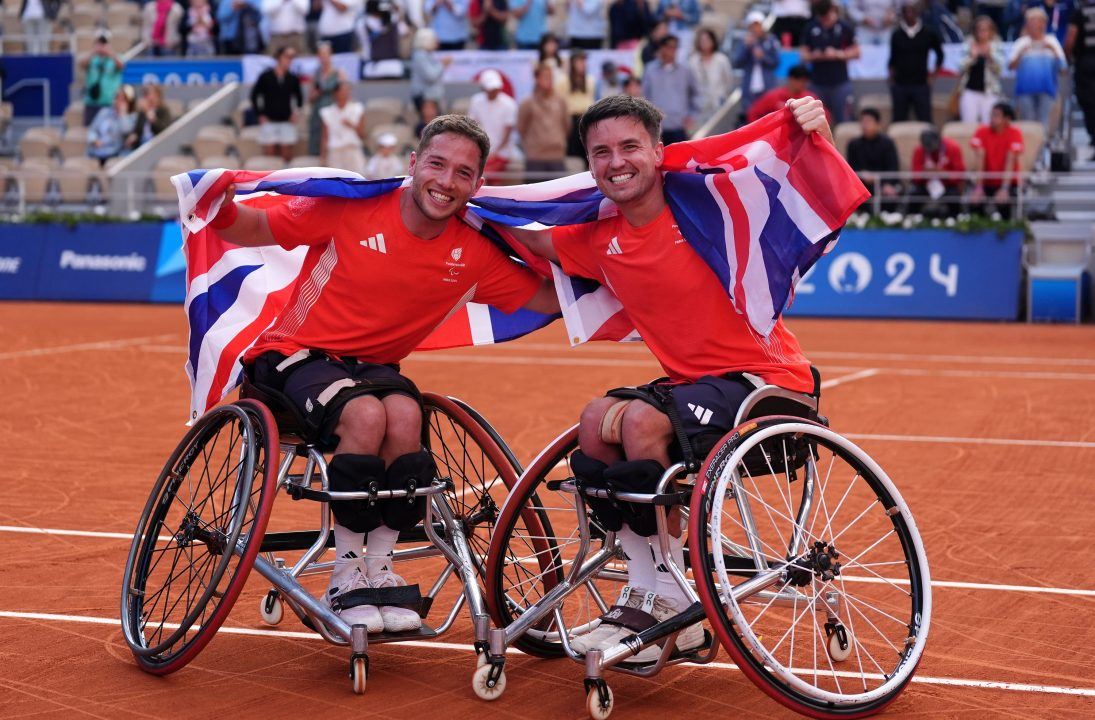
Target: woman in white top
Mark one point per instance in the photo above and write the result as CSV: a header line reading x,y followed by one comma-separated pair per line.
x,y
979,72
343,131
337,21
712,71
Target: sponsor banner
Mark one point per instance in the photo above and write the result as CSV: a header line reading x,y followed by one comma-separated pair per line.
x,y
170,283
20,256
99,262
29,100
305,67
915,274
183,71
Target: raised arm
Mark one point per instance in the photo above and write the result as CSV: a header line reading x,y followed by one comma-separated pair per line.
x,y
809,113
242,225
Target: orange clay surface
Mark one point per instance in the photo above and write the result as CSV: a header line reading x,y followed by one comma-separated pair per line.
x,y
987,430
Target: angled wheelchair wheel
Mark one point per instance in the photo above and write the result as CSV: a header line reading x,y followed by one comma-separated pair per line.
x,y
533,548
198,535
810,568
482,468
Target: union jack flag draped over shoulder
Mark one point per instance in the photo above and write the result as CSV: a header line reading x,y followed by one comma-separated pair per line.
x,y
760,205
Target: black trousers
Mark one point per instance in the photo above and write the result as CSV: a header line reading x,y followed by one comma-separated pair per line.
x,y
1085,91
918,98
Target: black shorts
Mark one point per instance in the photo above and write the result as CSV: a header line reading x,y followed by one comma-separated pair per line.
x,y
320,386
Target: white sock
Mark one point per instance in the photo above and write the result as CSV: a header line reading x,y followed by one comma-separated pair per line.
x,y
664,584
640,563
378,550
348,545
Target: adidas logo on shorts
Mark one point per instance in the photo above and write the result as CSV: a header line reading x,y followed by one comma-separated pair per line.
x,y
376,242
702,414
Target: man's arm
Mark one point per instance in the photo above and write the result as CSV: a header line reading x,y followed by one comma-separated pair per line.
x,y
538,241
546,300
809,113
242,225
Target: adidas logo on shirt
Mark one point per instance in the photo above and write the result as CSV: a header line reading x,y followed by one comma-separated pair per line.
x,y
376,242
702,414
614,247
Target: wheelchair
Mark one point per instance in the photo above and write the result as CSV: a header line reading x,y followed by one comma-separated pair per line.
x,y
801,556
204,528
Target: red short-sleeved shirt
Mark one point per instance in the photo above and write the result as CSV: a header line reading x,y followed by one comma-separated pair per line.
x,y
677,303
996,147
373,291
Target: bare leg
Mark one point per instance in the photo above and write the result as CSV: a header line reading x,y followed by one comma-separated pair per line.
x,y
589,432
646,433
404,428
361,426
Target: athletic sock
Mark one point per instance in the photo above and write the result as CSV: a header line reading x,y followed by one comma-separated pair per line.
x,y
348,545
640,563
665,585
378,550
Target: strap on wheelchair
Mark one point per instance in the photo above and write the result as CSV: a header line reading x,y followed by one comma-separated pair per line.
x,y
628,617
408,596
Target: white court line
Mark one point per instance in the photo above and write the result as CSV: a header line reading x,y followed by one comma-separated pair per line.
x,y
935,583
869,372
288,634
943,439
104,345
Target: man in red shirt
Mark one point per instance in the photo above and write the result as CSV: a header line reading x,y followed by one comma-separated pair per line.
x,y
712,356
379,276
797,86
997,147
934,191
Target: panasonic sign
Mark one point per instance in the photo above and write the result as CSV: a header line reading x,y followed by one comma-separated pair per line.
x,y
10,265
134,262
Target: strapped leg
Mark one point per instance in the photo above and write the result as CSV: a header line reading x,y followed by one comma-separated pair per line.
x,y
356,473
414,470
591,473
636,476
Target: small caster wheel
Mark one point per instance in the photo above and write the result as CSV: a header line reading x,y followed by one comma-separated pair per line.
x,y
599,708
359,674
840,644
481,659
272,609
480,682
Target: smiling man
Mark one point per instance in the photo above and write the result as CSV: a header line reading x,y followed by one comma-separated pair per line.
x,y
711,355
380,275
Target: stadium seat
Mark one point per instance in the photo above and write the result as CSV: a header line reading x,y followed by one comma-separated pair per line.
x,y
86,15
163,190
214,140
881,102
85,39
941,109
123,38
843,134
218,161
74,143
177,108
121,14
404,135
74,115
34,176
75,177
39,143
394,105
247,144
375,117
961,133
264,163
302,161
906,136
1034,136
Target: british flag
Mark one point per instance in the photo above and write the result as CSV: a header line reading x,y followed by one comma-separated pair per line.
x,y
760,205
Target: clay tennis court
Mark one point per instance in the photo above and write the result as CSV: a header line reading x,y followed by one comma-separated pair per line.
x,y
985,428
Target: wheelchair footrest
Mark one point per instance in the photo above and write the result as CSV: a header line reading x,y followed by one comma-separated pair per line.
x,y
423,633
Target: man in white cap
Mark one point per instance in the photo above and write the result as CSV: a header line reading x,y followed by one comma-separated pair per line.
x,y
496,112
757,56
385,163
343,130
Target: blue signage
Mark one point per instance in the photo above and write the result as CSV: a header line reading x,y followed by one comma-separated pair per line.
x,y
20,256
42,72
915,274
170,284
182,71
99,262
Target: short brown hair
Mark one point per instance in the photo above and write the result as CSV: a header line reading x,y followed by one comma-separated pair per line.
x,y
615,106
458,125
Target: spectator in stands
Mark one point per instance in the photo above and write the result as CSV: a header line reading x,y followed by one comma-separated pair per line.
x,y
324,85
343,132
1037,59
828,43
336,23
628,23
997,148
287,23
994,9
797,86
107,133
497,113
450,22
544,125
578,91
712,71
910,76
385,163
672,87
103,71
611,81
757,56
874,154
38,17
1058,15
160,21
633,86
532,21
492,33
427,70
938,17
549,53
586,24
272,98
682,15
979,72
152,117
199,29
933,193
874,20
648,50
379,29
1080,49
239,27
791,18
426,112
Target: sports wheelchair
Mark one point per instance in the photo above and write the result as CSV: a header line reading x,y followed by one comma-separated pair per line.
x,y
205,527
801,556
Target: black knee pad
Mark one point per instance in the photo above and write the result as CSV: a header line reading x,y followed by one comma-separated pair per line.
x,y
356,473
591,473
415,469
636,476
